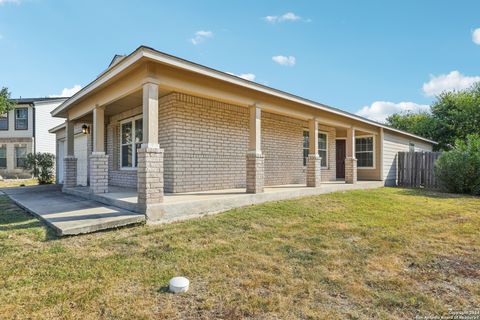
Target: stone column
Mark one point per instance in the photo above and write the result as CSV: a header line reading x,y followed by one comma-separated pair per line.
x,y
313,160
150,156
350,160
69,162
255,159
98,159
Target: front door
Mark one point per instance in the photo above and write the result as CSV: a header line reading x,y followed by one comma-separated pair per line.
x,y
340,156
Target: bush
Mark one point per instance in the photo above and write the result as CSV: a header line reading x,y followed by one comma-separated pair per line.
x,y
458,170
41,164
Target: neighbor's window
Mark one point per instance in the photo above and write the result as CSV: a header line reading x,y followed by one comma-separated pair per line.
x,y
131,137
364,152
20,155
411,147
21,119
4,121
322,147
3,156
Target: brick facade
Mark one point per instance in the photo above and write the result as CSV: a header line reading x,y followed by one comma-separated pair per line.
x,y
255,172
350,170
70,172
313,170
205,145
150,178
98,172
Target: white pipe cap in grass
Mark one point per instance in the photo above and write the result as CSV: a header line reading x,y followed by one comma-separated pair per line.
x,y
178,284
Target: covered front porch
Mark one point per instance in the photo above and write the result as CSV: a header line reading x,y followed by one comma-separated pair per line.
x,y
181,206
157,142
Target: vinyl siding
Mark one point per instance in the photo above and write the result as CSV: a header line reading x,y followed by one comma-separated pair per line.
x,y
45,141
392,144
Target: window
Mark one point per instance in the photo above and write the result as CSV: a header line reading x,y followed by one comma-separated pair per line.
x,y
4,121
322,147
3,156
131,137
411,147
20,155
364,152
21,119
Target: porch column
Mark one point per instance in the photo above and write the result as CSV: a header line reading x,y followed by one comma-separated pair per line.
x,y
350,160
69,162
255,158
98,158
313,161
150,156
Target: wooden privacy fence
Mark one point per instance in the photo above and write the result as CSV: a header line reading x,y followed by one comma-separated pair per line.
x,y
416,169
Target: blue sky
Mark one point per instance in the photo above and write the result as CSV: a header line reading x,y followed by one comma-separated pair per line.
x,y
382,56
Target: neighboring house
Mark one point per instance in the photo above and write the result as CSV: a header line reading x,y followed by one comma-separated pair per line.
x,y
24,130
159,123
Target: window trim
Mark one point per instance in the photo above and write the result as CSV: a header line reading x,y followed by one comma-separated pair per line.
x,y
15,118
4,145
132,120
303,147
8,120
410,146
373,151
19,145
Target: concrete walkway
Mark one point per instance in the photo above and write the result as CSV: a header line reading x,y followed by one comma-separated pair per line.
x,y
68,214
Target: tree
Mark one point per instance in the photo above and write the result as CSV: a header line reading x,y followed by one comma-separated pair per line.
x,y
422,124
453,116
41,164
457,115
6,104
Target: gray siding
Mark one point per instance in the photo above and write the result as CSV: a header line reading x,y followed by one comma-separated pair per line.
x,y
392,144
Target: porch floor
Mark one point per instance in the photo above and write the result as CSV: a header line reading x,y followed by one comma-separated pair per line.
x,y
181,206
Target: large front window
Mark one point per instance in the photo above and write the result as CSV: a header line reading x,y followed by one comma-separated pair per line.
x,y
364,152
131,137
322,147
20,155
21,119
3,156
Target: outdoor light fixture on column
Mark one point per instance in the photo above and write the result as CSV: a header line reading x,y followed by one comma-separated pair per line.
x,y
85,129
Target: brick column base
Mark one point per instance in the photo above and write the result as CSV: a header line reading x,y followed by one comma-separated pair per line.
x,y
69,172
255,172
98,172
314,163
149,179
350,170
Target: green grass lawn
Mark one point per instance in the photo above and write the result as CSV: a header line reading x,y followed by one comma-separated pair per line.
x,y
385,253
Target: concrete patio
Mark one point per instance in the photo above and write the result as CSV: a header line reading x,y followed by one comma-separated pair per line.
x,y
181,206
68,214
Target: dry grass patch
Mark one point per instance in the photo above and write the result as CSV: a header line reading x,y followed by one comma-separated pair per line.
x,y
386,253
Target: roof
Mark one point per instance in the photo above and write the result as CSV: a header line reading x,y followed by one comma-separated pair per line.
x,y
144,52
33,100
56,128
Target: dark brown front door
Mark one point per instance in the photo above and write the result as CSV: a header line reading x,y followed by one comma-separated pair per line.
x,y
340,162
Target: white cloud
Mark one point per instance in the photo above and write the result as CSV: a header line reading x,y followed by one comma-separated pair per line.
x,y
447,82
201,36
246,76
284,60
289,17
380,110
68,92
476,36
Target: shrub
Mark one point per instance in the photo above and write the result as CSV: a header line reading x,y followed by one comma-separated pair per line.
x,y
458,170
41,164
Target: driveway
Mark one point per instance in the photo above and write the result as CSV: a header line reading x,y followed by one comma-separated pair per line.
x,y
68,214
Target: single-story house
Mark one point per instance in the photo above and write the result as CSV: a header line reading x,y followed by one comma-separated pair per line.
x,y
24,130
161,124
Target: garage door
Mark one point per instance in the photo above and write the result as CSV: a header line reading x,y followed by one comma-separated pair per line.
x,y
81,153
60,156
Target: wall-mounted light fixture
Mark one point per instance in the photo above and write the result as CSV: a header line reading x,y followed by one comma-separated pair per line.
x,y
85,129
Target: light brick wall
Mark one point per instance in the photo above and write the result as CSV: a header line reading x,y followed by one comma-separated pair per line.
x,y
205,143
210,145
282,146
